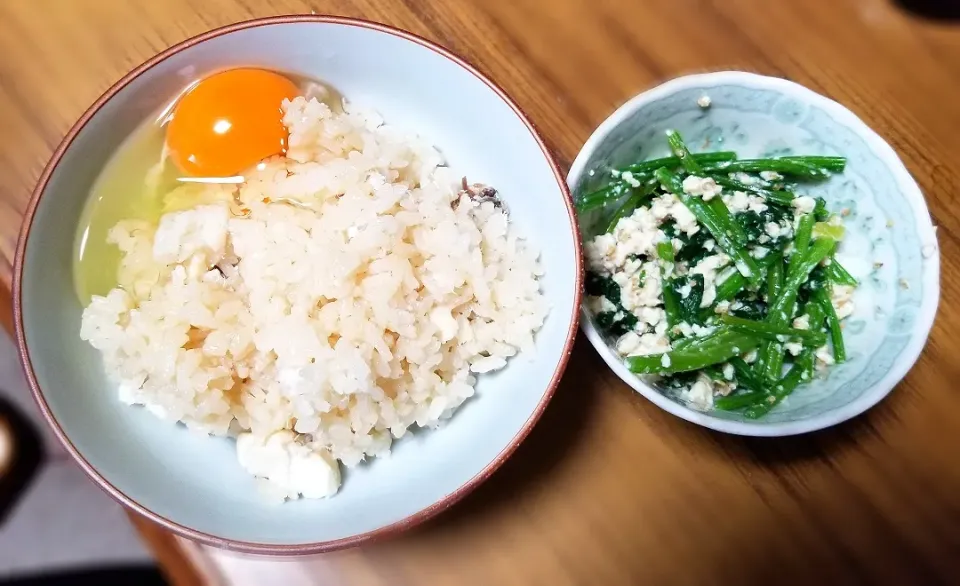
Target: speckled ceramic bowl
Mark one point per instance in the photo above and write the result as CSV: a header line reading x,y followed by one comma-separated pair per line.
x,y
888,223
193,484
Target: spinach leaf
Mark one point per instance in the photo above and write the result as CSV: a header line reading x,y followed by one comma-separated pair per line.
x,y
599,286
751,308
679,381
754,224
817,280
692,250
689,305
616,323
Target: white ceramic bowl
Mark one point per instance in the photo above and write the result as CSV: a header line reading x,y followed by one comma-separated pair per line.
x,y
889,223
193,485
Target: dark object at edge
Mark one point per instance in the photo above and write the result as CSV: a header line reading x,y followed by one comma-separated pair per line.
x,y
27,457
932,9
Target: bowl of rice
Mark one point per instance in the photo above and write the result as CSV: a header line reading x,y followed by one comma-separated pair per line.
x,y
334,348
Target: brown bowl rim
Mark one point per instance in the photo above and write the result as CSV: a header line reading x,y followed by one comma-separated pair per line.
x,y
269,548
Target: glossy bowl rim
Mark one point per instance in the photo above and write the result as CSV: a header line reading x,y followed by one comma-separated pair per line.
x,y
911,192
322,546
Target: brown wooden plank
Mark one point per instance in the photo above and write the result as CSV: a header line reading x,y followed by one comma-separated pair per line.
x,y
609,489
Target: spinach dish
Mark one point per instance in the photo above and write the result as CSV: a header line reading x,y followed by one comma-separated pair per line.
x,y
714,276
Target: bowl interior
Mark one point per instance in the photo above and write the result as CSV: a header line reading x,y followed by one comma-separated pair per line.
x,y
887,227
195,481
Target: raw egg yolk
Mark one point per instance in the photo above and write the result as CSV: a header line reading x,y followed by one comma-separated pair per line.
x,y
229,122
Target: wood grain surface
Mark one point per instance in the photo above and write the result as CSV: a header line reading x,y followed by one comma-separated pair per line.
x,y
608,489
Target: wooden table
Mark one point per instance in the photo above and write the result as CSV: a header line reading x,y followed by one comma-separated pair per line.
x,y
608,489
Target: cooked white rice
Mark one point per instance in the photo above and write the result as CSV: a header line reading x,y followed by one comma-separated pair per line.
x,y
343,293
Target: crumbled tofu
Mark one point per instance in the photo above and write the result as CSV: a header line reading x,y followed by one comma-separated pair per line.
x,y
756,204
773,229
700,394
637,234
633,235
750,356
599,305
709,267
804,204
841,297
630,179
668,206
288,466
737,202
770,175
700,331
632,266
652,316
728,371
724,388
686,221
687,330
684,329
793,348
824,356
759,252
802,322
652,343
741,177
665,361
705,187
704,101
628,343
637,292
723,307
662,206
600,253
